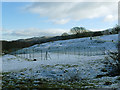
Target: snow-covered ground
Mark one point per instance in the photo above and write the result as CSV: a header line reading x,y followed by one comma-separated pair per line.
x,y
100,41
61,66
110,37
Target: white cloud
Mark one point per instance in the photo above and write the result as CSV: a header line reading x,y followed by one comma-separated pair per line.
x,y
110,18
33,32
58,12
61,21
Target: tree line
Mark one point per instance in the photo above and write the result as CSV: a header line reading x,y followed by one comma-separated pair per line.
x,y
83,30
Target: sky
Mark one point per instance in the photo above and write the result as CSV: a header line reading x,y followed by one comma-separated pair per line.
x,y
21,20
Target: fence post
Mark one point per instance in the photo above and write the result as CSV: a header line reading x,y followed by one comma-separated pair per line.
x,y
29,53
41,54
58,53
104,50
15,52
21,53
74,50
46,55
33,53
26,54
88,51
65,50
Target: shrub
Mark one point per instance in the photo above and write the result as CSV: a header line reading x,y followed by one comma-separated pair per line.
x,y
97,33
65,34
113,65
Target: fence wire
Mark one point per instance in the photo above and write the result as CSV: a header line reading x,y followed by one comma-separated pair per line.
x,y
45,54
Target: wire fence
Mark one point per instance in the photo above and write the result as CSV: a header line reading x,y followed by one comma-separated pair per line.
x,y
34,54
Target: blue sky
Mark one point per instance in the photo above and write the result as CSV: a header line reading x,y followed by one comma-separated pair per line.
x,y
22,20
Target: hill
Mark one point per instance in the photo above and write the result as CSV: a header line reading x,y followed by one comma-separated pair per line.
x,y
9,46
69,63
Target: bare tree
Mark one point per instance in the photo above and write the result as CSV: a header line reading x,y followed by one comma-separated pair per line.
x,y
116,29
78,30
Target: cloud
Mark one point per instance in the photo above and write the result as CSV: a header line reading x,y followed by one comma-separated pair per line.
x,y
60,0
61,21
33,32
110,18
63,12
